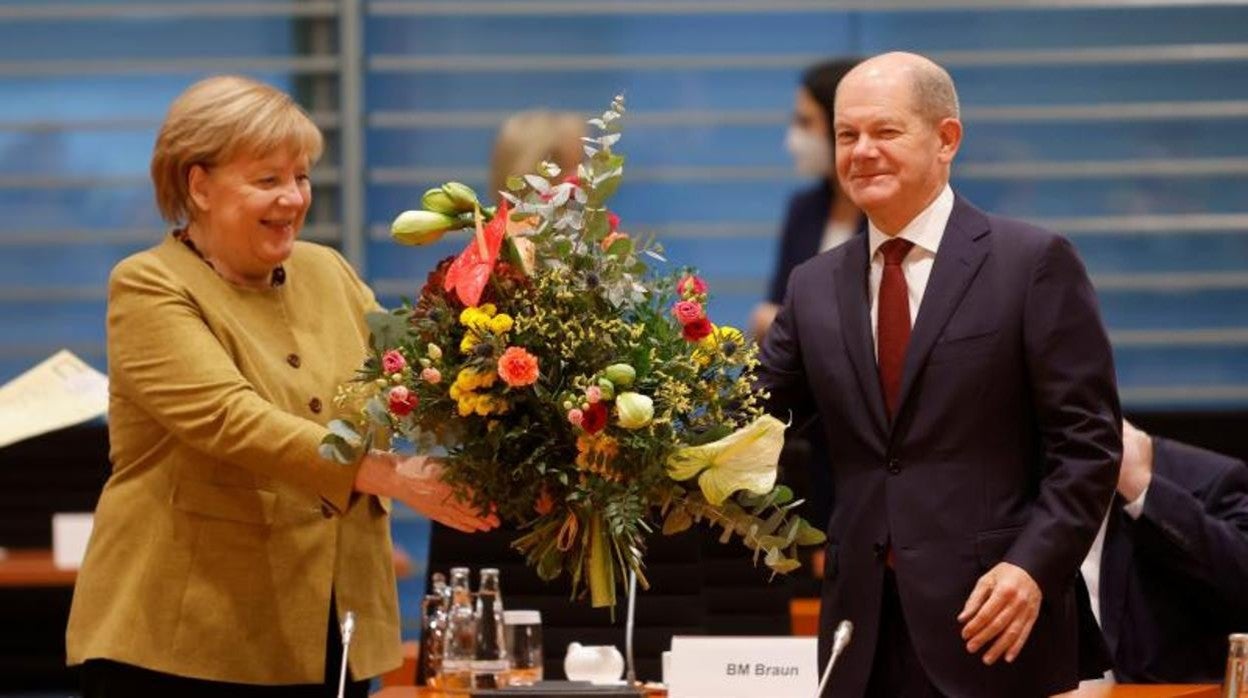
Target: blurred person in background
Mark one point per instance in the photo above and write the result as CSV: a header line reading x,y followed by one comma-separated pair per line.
x,y
1168,572
226,551
530,137
818,219
821,216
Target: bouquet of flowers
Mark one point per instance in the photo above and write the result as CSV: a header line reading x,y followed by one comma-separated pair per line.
x,y
578,395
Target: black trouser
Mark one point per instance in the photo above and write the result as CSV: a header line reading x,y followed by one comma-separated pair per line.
x,y
102,678
896,671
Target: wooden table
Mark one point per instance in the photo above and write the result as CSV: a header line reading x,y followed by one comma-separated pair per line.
x,y
1088,691
34,568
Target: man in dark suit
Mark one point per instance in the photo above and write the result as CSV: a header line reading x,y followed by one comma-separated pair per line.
x,y
1171,578
966,386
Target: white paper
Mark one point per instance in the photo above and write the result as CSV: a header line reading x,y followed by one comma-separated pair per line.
x,y
743,667
70,533
60,392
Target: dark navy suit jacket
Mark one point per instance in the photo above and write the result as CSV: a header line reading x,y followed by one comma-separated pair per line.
x,y
1005,447
804,462
1174,583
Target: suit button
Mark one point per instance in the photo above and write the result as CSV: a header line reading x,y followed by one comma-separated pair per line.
x,y
293,360
327,511
315,405
894,466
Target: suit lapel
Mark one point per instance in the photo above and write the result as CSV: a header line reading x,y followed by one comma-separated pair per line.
x,y
962,251
855,313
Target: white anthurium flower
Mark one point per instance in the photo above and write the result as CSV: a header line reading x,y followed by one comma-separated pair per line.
x,y
744,460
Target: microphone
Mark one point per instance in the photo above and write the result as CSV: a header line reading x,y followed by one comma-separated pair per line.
x,y
840,640
348,629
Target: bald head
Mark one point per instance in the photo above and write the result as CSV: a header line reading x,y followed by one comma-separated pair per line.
x,y
931,89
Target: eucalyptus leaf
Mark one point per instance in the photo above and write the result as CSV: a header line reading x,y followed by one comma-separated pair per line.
x,y
377,412
386,330
539,184
345,430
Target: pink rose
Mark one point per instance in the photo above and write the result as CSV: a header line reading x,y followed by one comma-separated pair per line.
x,y
393,362
691,286
402,401
593,394
688,311
576,416
431,375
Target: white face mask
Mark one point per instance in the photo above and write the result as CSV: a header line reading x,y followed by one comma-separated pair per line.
x,y
812,154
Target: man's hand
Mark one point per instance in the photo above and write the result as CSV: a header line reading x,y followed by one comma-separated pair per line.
x,y
1137,462
1002,610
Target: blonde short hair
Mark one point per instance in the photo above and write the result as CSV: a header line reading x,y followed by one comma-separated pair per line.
x,y
216,120
529,137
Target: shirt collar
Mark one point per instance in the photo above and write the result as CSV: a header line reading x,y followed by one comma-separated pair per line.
x,y
924,230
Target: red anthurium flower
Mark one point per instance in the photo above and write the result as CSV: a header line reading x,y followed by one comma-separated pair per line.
x,y
471,270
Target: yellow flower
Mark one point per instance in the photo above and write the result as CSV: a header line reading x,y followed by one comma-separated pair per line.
x,y
469,341
744,460
465,405
714,342
501,323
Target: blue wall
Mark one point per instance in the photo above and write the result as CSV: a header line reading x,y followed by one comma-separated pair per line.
x,y
1126,128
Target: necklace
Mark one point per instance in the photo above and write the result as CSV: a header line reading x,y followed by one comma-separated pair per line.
x,y
277,278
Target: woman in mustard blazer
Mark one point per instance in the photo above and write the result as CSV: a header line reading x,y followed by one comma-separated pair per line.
x,y
225,550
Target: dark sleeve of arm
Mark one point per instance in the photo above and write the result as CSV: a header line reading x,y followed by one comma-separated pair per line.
x,y
1075,400
784,258
781,371
1205,541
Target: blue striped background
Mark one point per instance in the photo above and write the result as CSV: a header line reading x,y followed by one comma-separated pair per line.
x,y
714,187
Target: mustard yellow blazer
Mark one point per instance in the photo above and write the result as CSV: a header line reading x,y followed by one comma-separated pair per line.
x,y
221,533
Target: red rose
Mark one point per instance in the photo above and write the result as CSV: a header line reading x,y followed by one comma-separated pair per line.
x,y
595,418
697,330
402,401
613,221
688,311
691,285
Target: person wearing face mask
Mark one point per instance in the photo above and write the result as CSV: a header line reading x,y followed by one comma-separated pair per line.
x,y
226,551
820,217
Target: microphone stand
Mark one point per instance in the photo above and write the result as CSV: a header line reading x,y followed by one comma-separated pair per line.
x,y
629,625
348,629
844,631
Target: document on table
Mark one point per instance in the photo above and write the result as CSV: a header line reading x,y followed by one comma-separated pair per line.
x,y
60,392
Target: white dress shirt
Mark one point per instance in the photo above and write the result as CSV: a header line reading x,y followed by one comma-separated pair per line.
x,y
926,231
836,234
1091,567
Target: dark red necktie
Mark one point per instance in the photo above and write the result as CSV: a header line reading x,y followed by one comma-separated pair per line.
x,y
893,321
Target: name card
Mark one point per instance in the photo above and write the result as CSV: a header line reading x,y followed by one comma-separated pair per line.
x,y
743,667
